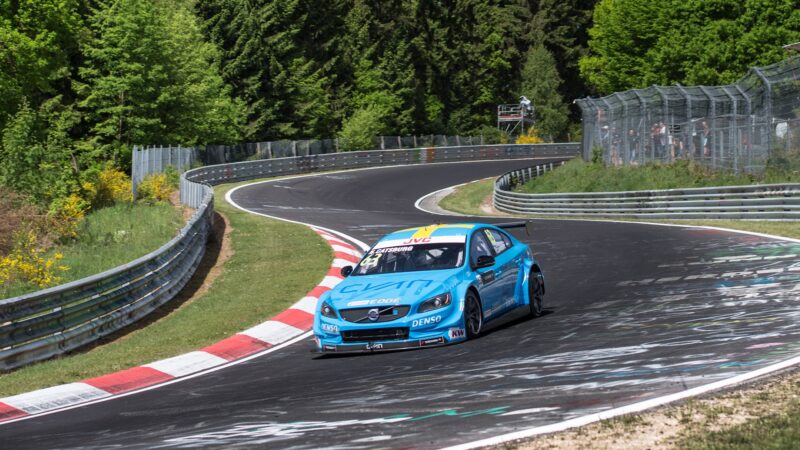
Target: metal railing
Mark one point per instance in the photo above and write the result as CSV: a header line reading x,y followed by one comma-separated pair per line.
x,y
248,170
741,127
770,201
54,321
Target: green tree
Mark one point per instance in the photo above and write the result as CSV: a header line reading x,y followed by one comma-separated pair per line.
x,y
636,43
541,83
37,154
38,46
145,82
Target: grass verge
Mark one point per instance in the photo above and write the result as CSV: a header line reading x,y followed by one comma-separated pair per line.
x,y
274,264
580,176
110,237
468,198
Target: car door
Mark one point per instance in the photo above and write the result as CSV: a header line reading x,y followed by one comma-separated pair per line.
x,y
507,266
489,287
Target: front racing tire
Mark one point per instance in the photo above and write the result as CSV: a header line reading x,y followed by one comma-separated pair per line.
x,y
473,315
535,294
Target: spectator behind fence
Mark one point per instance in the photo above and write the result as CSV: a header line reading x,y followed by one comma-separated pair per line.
x,y
633,143
706,133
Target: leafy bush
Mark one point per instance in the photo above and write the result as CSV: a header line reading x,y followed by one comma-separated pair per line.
x,y
155,188
26,263
531,137
107,187
65,216
358,131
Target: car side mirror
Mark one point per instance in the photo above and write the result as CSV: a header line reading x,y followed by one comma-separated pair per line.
x,y
484,261
346,270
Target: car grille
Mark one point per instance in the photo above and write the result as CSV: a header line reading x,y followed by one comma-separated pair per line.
x,y
375,334
387,314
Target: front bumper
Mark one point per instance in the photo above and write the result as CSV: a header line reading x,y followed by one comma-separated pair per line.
x,y
431,329
380,346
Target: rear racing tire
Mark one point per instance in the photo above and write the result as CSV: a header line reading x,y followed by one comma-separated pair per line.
x,y
535,294
473,315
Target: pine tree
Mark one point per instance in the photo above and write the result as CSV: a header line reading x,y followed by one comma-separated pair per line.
x,y
540,83
146,84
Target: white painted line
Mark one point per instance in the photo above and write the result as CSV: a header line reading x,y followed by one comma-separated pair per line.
x,y
273,332
359,243
187,363
418,203
628,409
55,397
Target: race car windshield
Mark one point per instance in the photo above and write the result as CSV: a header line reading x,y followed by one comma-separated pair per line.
x,y
411,258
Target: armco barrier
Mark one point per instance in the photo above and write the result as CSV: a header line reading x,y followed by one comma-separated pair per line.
x,y
770,201
248,170
54,321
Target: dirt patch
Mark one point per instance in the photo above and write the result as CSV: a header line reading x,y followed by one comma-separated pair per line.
x,y
673,426
15,214
487,207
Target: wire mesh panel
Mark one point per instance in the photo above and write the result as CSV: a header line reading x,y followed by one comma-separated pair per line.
x,y
741,127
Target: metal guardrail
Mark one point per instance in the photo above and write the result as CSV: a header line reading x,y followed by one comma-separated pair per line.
x,y
248,170
54,321
766,201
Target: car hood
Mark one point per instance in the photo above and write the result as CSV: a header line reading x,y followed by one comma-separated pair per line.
x,y
404,288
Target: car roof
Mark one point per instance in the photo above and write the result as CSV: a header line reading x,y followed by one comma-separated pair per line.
x,y
432,233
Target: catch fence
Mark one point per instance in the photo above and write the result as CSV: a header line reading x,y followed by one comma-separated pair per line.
x,y
741,127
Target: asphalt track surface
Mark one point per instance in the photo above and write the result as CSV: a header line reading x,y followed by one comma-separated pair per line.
x,y
633,312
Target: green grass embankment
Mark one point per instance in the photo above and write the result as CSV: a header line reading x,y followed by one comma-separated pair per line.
x,y
273,264
108,238
580,176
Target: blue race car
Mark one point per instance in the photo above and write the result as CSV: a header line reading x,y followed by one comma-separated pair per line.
x,y
429,286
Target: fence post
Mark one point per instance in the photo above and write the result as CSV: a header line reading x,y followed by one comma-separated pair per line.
x,y
294,148
383,144
769,107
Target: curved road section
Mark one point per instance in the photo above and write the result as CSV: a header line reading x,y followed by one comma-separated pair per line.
x,y
634,312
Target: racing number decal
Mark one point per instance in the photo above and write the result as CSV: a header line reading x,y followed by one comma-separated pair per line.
x,y
371,260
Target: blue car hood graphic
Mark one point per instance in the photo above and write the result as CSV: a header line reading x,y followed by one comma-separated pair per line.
x,y
405,288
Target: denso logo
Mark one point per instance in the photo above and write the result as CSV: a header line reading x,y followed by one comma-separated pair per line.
x,y
426,240
328,328
426,321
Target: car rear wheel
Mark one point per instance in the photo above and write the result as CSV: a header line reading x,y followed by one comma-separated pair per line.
x,y
473,315
536,294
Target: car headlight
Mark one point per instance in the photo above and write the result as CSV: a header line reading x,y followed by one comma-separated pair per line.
x,y
327,310
440,301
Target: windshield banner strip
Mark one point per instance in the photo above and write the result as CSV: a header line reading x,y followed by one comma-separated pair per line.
x,y
418,241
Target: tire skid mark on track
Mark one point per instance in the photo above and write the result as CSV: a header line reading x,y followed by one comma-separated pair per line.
x,y
286,326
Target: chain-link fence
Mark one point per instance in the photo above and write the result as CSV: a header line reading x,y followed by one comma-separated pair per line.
x,y
741,127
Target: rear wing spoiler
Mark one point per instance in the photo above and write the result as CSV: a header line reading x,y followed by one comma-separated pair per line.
x,y
527,224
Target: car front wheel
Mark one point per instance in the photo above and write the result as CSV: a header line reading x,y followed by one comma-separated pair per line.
x,y
473,315
536,294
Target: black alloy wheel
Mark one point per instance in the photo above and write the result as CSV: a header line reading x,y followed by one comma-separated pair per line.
x,y
473,315
536,294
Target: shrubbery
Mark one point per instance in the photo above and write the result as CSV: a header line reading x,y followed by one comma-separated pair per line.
x,y
28,262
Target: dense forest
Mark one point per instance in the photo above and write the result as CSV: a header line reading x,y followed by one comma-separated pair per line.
x,y
84,80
